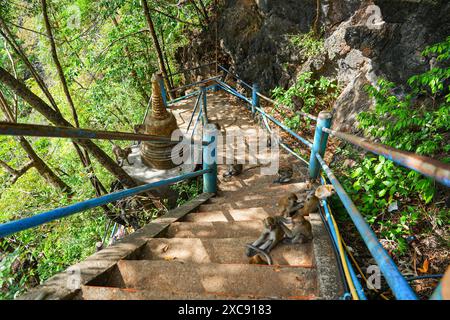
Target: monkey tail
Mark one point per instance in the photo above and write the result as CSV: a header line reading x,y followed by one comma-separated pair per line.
x,y
260,251
251,168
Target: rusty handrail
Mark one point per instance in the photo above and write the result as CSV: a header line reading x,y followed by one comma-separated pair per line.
x,y
35,130
424,165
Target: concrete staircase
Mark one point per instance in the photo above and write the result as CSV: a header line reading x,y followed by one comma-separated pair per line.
x,y
201,256
197,251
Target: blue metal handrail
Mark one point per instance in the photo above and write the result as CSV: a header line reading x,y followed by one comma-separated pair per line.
x,y
429,167
12,227
395,279
209,172
424,165
236,77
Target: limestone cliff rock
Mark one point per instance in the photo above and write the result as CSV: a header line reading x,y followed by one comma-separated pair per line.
x,y
363,41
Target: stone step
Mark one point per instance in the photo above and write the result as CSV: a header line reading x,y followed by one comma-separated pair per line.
x,y
108,293
215,229
229,215
247,202
225,251
211,279
263,203
240,188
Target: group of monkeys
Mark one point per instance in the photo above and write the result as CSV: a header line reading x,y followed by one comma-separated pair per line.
x,y
290,226
276,229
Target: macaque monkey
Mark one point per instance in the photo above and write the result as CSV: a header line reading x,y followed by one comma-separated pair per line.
x,y
313,199
237,169
233,170
139,129
98,246
288,204
301,231
121,155
257,260
271,235
284,175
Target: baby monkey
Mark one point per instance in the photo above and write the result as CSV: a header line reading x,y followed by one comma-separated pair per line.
x,y
301,231
121,155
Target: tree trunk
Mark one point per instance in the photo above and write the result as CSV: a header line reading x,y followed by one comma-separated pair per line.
x,y
43,169
84,156
134,74
163,42
59,68
205,12
162,66
9,37
316,20
57,119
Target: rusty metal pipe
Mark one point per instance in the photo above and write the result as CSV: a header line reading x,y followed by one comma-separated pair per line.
x,y
394,278
195,83
35,130
429,167
301,113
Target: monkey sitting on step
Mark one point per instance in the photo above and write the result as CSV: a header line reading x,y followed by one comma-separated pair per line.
x,y
284,175
233,170
301,231
122,155
312,202
271,235
288,204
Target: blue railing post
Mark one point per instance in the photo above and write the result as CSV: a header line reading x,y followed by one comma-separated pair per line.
x,y
210,135
255,98
163,89
320,143
204,104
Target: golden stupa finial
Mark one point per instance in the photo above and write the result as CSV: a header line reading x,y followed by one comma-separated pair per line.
x,y
158,109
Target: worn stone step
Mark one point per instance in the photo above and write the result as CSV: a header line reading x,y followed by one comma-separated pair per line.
x,y
109,293
211,278
231,215
240,204
240,188
215,229
225,250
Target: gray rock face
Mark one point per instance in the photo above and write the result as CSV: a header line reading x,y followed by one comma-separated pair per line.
x,y
382,39
364,40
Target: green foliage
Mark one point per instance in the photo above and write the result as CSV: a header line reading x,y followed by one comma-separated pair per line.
x,y
417,122
187,190
308,43
315,94
108,68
